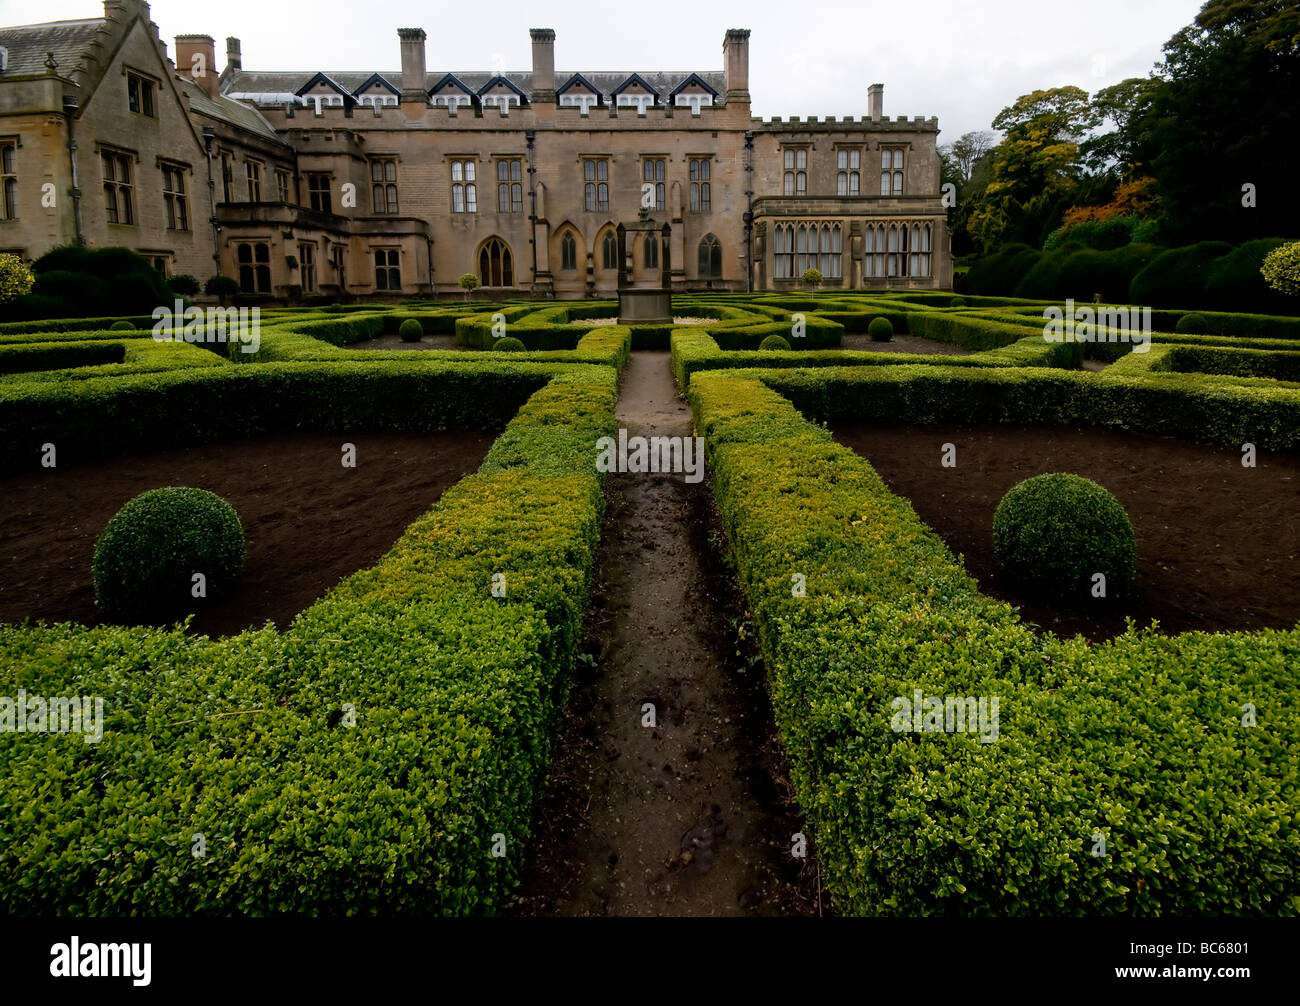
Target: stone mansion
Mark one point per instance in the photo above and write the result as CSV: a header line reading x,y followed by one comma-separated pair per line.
x,y
395,184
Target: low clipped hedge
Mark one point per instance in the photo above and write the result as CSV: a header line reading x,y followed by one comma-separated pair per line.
x,y
694,351
1138,741
1054,533
146,557
15,358
1207,408
101,415
365,762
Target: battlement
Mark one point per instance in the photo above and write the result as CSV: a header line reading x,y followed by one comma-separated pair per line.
x,y
830,123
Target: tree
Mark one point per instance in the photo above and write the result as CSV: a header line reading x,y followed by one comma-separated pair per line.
x,y
966,150
1034,166
1124,104
1221,121
468,283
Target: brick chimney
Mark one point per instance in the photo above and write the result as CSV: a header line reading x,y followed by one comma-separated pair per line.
x,y
543,65
196,58
735,63
234,61
876,101
414,78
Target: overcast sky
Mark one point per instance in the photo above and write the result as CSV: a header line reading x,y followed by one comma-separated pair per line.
x,y
960,60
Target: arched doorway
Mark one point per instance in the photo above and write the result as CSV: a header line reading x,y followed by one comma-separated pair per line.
x,y
495,264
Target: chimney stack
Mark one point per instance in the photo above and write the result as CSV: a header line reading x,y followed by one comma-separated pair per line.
x,y
196,58
876,101
735,63
234,61
414,78
543,65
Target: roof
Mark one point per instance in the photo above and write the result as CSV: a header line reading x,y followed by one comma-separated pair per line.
x,y
227,110
28,44
279,82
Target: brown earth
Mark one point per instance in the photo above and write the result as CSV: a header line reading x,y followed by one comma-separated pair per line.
x,y
692,816
1218,544
903,344
308,521
426,342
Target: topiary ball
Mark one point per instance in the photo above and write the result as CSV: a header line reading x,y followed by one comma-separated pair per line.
x,y
147,555
508,344
1193,324
774,342
121,326
880,330
1052,533
957,302
410,330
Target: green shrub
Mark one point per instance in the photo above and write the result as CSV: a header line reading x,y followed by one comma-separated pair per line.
x,y
410,330
220,286
1281,269
812,277
78,293
184,284
147,556
1236,281
1092,739
1146,232
1192,324
121,325
508,344
774,342
880,330
1055,532
1000,272
957,302
1175,278
15,278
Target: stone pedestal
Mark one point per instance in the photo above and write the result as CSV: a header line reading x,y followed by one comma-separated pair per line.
x,y
641,305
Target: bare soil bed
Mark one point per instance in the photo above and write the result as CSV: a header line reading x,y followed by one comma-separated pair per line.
x,y
308,521
903,344
426,342
1218,544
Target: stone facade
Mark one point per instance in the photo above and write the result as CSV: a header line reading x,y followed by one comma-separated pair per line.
x,y
398,183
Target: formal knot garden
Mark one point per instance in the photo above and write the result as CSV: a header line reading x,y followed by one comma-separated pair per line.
x,y
383,746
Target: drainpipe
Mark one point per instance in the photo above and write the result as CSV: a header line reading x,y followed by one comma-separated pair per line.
x,y
530,136
749,211
209,134
70,114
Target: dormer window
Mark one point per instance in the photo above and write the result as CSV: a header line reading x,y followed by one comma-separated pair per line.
x,y
580,100
638,101
451,100
502,101
693,101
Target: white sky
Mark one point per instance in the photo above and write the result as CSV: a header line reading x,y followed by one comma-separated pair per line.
x,y
961,60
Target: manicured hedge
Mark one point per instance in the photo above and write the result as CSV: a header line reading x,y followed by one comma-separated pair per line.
x,y
693,351
1220,410
456,696
99,415
16,358
1139,741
